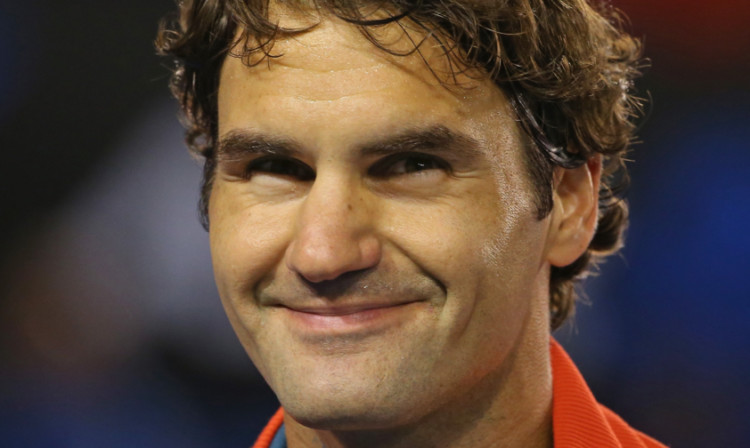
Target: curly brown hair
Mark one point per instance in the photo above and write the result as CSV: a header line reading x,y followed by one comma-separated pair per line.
x,y
567,68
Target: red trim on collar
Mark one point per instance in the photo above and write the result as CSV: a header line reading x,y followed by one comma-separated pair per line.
x,y
266,436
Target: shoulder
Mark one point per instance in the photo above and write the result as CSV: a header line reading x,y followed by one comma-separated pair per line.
x,y
578,420
626,435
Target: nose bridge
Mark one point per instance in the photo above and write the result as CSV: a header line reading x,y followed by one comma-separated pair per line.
x,y
333,207
334,230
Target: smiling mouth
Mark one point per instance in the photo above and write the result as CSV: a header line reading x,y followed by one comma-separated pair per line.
x,y
346,320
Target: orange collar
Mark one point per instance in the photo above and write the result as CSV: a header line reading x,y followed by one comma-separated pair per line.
x,y
578,421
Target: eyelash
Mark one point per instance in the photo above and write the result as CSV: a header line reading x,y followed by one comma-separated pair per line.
x,y
280,166
420,162
413,162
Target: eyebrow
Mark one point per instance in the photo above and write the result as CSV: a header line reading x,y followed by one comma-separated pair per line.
x,y
238,144
435,139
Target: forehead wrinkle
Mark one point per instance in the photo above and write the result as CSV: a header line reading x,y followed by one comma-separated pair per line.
x,y
326,82
419,56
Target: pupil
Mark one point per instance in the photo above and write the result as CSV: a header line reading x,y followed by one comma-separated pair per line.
x,y
417,165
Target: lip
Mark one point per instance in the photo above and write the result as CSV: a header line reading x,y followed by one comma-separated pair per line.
x,y
341,320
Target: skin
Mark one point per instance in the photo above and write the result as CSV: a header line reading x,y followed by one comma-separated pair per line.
x,y
391,297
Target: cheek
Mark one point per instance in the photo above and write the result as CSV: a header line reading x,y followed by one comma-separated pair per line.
x,y
443,240
475,233
246,240
484,246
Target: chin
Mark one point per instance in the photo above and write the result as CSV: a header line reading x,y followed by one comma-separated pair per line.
x,y
350,416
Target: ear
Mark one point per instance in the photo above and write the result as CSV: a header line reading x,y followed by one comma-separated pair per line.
x,y
575,211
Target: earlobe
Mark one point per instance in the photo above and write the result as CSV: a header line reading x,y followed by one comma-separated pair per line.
x,y
575,211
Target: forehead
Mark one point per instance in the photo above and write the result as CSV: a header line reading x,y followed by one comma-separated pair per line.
x,y
334,53
334,74
327,44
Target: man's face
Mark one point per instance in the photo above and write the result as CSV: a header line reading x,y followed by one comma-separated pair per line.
x,y
373,232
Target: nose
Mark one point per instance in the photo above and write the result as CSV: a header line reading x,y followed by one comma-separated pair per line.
x,y
334,232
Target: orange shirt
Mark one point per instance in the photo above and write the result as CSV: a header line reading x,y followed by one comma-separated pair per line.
x,y
578,421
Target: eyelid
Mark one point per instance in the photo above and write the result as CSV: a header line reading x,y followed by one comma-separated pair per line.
x,y
308,172
381,166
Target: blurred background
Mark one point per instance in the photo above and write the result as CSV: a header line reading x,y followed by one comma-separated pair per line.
x,y
111,331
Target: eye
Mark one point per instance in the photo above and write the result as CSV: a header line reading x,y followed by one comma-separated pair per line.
x,y
280,166
407,163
